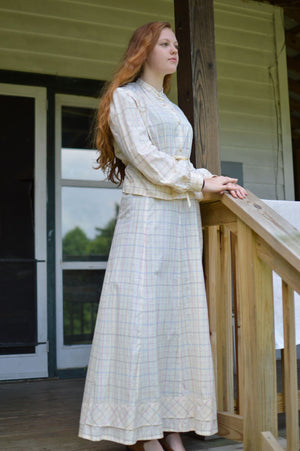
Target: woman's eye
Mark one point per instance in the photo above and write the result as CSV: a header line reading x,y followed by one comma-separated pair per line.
x,y
164,44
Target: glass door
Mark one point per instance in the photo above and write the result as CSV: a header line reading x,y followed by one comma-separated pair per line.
x,y
23,285
87,206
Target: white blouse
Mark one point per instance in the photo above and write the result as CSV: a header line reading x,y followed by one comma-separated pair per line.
x,y
153,138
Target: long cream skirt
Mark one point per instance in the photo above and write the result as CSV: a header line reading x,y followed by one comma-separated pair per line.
x,y
150,367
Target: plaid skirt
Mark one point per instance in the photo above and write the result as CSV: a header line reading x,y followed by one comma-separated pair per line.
x,y
150,368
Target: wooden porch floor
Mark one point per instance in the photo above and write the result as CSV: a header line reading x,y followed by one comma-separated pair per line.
x,y
43,415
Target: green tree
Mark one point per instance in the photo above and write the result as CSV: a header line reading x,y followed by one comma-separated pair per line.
x,y
75,243
100,245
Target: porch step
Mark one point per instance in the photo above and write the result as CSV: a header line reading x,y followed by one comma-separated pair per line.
x,y
198,446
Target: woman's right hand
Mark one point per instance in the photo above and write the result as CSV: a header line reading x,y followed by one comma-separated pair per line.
x,y
220,184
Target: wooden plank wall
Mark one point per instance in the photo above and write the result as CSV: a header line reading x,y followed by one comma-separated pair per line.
x,y
249,102
77,38
86,39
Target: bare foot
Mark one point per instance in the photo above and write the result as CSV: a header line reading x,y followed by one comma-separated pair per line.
x,y
174,441
153,445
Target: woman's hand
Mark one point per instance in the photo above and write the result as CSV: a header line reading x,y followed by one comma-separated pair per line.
x,y
220,184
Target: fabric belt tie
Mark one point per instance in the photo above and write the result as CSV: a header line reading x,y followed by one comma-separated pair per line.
x,y
180,157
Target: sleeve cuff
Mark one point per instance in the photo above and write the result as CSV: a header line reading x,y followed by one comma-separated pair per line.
x,y
205,173
196,181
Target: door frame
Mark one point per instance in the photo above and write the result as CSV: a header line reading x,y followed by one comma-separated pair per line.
x,y
19,366
69,356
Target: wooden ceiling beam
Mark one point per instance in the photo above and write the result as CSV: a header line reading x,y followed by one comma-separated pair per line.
x,y
293,64
283,3
296,144
295,135
295,30
294,105
296,164
295,122
292,41
292,13
294,86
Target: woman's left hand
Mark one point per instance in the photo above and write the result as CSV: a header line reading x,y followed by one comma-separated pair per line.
x,y
221,184
237,191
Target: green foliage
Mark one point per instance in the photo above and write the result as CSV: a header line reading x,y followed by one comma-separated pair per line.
x,y
79,322
76,243
80,314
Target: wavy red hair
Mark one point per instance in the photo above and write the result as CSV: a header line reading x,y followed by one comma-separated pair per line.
x,y
140,45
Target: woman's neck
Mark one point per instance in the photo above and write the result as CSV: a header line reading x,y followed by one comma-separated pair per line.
x,y
154,80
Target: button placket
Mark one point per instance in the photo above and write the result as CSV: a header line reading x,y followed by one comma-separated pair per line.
x,y
179,139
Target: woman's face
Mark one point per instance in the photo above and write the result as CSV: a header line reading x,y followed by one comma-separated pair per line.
x,y
163,58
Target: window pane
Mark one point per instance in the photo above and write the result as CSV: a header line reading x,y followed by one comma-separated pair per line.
x,y
80,164
88,222
81,293
77,127
78,158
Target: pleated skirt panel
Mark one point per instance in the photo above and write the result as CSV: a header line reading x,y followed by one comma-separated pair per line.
x,y
150,368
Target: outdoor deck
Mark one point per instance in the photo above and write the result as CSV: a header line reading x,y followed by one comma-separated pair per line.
x,y
43,415
244,242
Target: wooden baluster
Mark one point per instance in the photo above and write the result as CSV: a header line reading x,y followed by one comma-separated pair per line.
x,y
237,324
212,277
257,341
224,326
290,369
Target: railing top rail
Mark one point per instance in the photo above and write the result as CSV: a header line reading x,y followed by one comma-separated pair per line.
x,y
273,228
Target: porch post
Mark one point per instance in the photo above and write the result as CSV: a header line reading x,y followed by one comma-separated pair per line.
x,y
197,78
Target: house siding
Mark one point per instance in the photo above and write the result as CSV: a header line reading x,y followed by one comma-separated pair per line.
x,y
251,115
69,37
86,39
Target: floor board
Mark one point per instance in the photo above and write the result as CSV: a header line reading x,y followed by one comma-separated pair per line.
x,y
43,416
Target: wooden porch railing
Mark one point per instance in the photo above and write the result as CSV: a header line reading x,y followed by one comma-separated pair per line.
x,y
244,240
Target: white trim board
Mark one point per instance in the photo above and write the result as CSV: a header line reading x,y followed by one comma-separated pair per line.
x,y
20,366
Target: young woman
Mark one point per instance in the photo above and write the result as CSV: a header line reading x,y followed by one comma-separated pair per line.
x,y
150,374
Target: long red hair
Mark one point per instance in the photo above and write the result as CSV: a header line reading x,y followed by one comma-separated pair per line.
x,y
140,45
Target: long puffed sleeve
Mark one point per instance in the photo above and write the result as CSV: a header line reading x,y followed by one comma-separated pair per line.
x,y
134,147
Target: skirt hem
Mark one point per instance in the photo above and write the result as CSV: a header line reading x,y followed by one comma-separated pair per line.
x,y
120,436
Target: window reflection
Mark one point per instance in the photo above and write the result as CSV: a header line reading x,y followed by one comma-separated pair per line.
x,y
77,127
80,164
81,293
88,221
78,157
